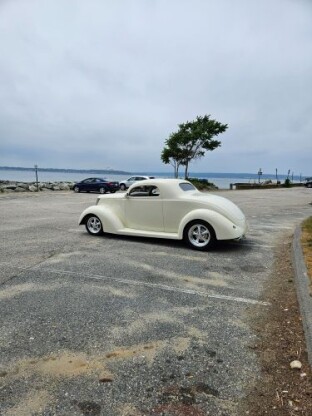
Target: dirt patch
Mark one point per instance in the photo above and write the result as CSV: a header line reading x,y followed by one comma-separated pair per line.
x,y
33,403
280,390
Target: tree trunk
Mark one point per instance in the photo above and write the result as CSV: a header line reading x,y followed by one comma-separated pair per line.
x,y
176,170
186,171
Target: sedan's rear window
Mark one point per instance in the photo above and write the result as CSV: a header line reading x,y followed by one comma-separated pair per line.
x,y
187,186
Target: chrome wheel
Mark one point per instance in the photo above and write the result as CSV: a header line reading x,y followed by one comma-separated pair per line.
x,y
94,225
102,190
76,189
123,187
199,235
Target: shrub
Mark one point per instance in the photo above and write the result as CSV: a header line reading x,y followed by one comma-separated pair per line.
x,y
202,184
287,183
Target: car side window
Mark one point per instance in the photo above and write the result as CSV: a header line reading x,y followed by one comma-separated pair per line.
x,y
138,191
187,187
146,191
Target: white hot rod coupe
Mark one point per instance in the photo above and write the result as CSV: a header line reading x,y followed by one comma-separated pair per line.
x,y
166,208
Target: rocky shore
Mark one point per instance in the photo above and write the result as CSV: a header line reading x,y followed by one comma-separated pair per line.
x,y
12,186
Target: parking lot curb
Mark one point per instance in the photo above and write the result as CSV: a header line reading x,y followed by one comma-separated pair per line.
x,y
303,289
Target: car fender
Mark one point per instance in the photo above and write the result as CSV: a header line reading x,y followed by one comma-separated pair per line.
x,y
224,228
111,223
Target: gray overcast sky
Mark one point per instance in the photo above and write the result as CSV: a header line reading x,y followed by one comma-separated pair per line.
x,y
102,83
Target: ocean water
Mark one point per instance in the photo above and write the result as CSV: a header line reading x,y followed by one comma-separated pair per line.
x,y
221,180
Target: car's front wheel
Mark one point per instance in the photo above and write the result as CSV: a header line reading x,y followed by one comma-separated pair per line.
x,y
76,189
199,235
123,187
102,190
94,225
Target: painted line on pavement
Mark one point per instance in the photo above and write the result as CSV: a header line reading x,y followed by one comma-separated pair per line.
x,y
100,278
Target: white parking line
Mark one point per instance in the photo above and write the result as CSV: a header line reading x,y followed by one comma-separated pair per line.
x,y
270,227
100,278
181,256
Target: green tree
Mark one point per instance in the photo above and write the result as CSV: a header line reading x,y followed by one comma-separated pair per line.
x,y
173,154
191,142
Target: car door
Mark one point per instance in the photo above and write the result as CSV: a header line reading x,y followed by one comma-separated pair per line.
x,y
97,184
93,184
131,181
144,209
87,184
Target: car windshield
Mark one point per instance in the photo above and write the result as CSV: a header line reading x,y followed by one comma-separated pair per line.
x,y
187,186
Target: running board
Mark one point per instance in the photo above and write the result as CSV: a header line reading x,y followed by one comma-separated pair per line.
x,y
144,233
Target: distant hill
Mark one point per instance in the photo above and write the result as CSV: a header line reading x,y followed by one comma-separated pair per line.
x,y
93,171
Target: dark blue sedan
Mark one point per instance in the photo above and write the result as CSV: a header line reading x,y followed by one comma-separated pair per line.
x,y
96,185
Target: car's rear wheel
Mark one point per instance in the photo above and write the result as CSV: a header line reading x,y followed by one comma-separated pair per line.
x,y
94,225
199,235
76,189
102,190
123,187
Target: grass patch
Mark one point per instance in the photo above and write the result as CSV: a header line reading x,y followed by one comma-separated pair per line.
x,y
306,241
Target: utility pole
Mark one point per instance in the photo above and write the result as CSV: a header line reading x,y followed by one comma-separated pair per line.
x,y
36,172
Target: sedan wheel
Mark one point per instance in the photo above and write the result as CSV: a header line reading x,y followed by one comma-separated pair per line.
x,y
199,235
94,225
102,190
76,189
123,187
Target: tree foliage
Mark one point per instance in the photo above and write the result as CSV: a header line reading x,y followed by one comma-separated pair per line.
x,y
191,142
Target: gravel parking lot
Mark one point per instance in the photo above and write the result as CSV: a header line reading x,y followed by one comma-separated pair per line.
x,y
130,326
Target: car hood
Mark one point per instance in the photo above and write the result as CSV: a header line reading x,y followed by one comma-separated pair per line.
x,y
219,204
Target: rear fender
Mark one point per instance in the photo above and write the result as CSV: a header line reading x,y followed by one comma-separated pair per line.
x,y
224,229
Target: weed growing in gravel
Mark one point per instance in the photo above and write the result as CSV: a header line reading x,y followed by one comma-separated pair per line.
x,y
306,241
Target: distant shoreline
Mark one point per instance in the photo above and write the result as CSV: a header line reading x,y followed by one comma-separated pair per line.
x,y
95,171
238,175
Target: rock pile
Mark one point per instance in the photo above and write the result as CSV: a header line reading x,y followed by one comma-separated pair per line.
x,y
10,186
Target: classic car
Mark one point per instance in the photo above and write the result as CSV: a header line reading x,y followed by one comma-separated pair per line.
x,y
96,185
166,208
130,181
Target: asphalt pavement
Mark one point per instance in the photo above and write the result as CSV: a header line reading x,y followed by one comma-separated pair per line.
x,y
129,326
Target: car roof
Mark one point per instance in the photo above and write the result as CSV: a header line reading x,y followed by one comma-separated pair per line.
x,y
170,187
94,177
